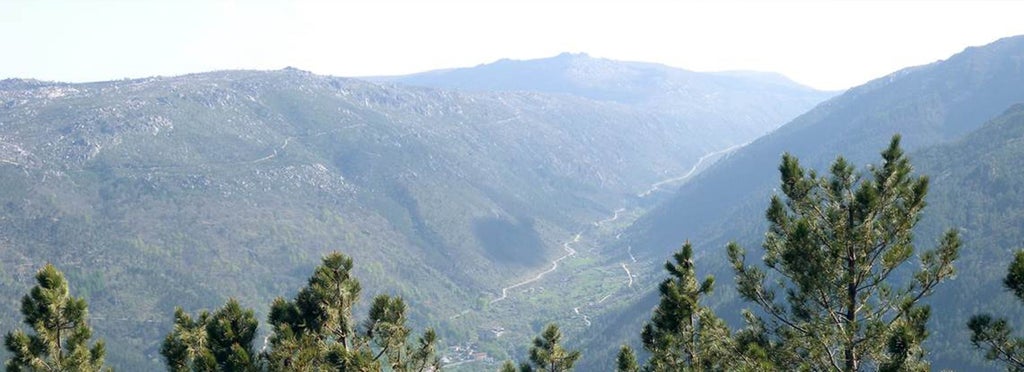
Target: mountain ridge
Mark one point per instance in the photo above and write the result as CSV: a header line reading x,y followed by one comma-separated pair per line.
x,y
917,111
181,191
705,101
583,58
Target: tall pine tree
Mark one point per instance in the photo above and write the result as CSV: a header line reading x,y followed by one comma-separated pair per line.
x,y
317,330
682,334
548,354
626,361
62,334
833,247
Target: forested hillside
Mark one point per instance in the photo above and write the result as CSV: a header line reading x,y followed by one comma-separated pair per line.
x,y
979,189
928,105
159,192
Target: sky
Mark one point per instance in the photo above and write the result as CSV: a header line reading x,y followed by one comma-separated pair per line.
x,y
824,44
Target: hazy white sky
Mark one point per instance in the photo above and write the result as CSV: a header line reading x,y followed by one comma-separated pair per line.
x,y
825,44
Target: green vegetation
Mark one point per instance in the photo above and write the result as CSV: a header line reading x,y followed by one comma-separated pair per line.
x,y
837,246
508,366
626,361
977,187
316,331
222,341
62,334
547,354
993,335
683,334
962,125
871,214
834,246
185,191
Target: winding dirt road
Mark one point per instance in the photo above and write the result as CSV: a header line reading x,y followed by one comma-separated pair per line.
x,y
569,252
610,219
630,275
657,186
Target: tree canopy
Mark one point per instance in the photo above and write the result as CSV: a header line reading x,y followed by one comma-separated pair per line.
x,y
222,341
314,331
683,334
317,330
836,250
548,354
62,333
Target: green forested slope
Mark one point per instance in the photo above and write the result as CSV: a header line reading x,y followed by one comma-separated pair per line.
x,y
159,192
977,187
929,105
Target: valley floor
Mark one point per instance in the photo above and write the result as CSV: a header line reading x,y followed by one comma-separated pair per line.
x,y
594,275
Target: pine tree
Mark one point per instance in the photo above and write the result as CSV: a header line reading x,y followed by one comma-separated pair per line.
x,y
508,366
317,330
386,328
318,322
185,347
993,335
683,334
222,341
231,331
626,361
423,355
832,248
62,334
547,353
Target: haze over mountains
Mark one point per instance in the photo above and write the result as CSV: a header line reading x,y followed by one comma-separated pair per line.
x,y
183,191
494,199
741,100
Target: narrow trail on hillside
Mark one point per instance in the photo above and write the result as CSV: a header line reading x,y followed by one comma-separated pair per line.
x,y
586,319
288,140
629,248
628,274
274,154
610,219
657,185
569,252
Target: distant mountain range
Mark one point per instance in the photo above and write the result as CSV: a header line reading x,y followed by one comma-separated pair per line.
x,y
940,110
704,102
183,191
